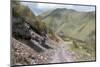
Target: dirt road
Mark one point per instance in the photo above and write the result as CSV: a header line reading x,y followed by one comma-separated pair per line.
x,y
62,54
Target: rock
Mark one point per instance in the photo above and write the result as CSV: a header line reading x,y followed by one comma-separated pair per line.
x,y
19,64
33,62
41,57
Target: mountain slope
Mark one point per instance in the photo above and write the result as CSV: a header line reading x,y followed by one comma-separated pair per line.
x,y
72,23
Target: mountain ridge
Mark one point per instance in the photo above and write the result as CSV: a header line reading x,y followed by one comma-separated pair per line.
x,y
67,17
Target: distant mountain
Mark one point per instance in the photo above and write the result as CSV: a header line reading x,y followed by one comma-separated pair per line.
x,y
79,25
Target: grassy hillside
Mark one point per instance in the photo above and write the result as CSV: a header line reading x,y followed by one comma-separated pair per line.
x,y
79,25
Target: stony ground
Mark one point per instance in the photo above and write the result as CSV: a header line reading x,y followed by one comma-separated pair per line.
x,y
22,54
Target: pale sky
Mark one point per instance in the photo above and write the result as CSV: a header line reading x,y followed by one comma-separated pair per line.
x,y
39,8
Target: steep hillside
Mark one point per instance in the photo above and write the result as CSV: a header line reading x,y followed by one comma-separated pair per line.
x,y
71,23
28,34
22,14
